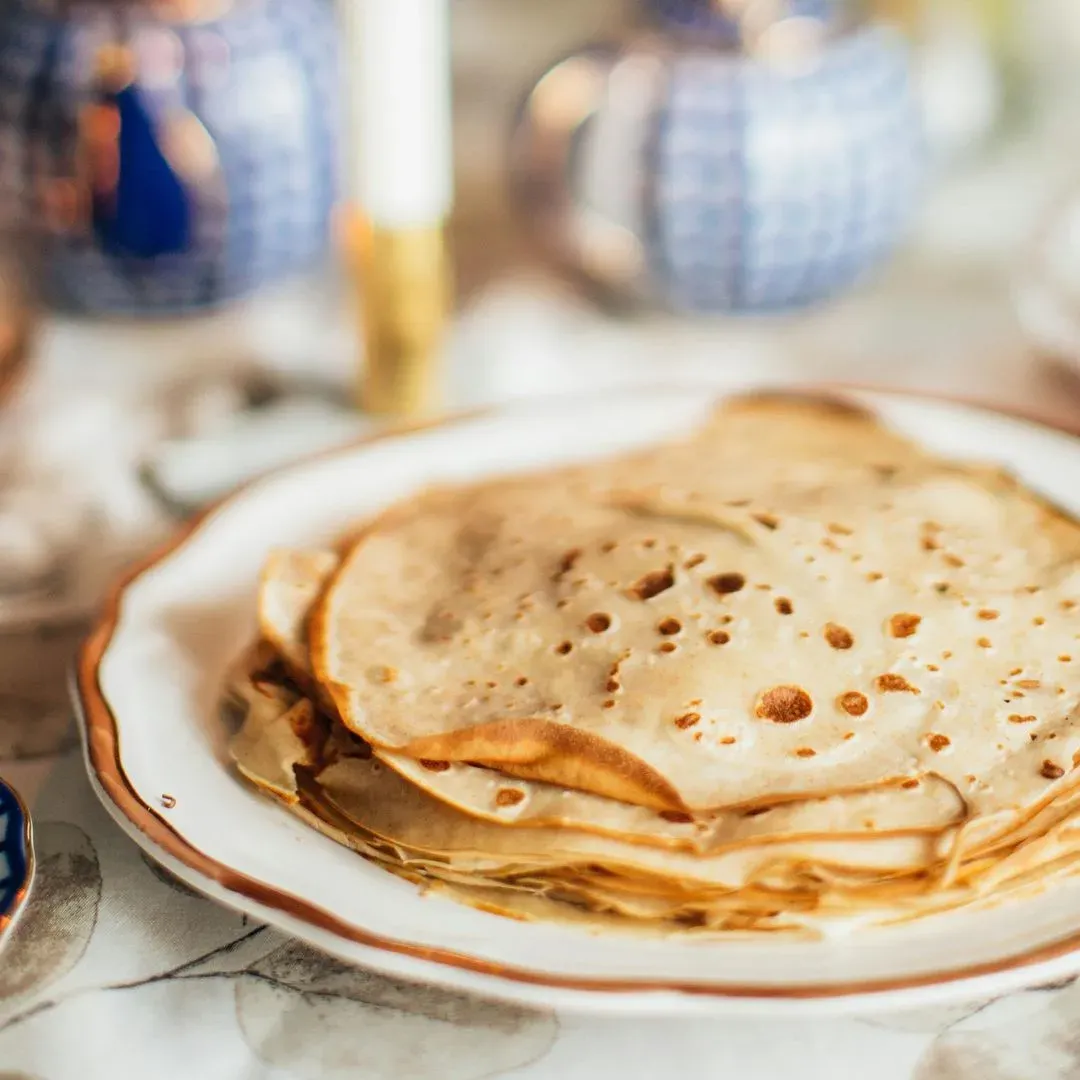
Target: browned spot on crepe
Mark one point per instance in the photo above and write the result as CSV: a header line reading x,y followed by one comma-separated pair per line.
x,y
652,584
895,684
904,624
784,705
853,703
567,563
724,584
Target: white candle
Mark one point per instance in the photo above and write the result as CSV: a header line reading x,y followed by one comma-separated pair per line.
x,y
399,62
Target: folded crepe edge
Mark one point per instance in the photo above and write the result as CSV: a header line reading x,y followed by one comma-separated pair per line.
x,y
537,749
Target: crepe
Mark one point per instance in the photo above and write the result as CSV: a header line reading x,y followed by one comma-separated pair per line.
x,y
626,653
368,807
791,670
291,583
371,809
294,581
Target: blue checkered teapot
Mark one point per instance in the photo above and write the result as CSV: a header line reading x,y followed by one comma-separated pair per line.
x,y
707,169
174,155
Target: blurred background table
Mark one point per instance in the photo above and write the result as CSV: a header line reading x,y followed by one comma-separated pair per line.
x,y
120,429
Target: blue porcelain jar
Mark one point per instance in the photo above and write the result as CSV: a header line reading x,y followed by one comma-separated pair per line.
x,y
172,161
712,178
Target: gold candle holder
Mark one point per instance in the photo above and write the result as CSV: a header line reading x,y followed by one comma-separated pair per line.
x,y
402,277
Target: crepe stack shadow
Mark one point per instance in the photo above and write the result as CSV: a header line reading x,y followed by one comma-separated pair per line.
x,y
790,671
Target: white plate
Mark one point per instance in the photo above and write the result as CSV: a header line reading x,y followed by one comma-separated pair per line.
x,y
148,682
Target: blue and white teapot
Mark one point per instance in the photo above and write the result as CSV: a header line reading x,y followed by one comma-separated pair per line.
x,y
175,155
705,168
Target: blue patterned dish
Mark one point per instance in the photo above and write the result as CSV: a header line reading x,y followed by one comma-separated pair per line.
x,y
16,856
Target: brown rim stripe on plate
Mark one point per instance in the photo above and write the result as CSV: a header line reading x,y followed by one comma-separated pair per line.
x,y
103,750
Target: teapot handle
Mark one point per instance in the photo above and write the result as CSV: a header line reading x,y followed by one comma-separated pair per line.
x,y
549,130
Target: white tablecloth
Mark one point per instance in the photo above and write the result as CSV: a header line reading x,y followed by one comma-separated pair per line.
x,y
116,971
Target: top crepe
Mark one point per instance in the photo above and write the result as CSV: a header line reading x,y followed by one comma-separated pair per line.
x,y
793,602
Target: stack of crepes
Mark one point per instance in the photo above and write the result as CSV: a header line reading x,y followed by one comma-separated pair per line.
x,y
790,672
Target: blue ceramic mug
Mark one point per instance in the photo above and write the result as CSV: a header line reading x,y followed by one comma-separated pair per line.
x,y
712,179
175,156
